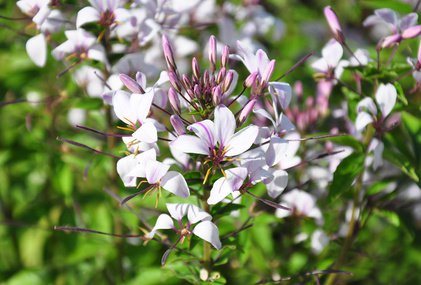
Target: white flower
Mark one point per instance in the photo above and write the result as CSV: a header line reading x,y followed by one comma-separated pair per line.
x,y
367,110
301,203
330,63
204,229
217,139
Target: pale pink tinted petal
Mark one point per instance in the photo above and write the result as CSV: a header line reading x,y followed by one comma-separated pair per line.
x,y
177,211
36,47
320,65
205,130
332,53
284,124
386,98
411,32
391,40
146,133
155,170
387,15
281,93
209,232
195,214
276,150
190,144
408,21
224,124
278,183
242,140
367,103
175,183
87,15
363,119
164,222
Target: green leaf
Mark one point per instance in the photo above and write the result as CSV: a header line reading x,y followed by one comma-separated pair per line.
x,y
400,7
348,141
89,103
345,174
401,94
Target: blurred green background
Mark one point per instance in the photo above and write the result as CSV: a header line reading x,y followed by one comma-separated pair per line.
x,y
45,183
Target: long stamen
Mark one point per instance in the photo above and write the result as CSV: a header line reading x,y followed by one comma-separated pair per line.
x,y
207,175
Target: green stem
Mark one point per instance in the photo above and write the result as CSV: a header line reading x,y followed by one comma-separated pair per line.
x,y
349,239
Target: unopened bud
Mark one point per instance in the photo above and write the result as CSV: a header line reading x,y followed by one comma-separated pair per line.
x,y
251,79
225,56
174,81
419,54
228,80
221,75
196,91
174,100
217,95
206,79
168,53
131,84
186,81
178,125
298,88
195,68
335,26
246,110
212,52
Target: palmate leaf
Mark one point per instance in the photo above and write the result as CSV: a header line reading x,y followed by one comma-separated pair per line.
x,y
345,174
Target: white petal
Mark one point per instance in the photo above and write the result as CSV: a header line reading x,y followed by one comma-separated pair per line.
x,y
87,15
281,92
121,105
332,53
363,119
220,190
386,98
387,15
320,65
175,183
155,170
242,140
190,144
142,160
209,232
164,222
97,53
146,133
126,165
262,112
141,103
205,130
278,184
284,124
36,47
177,211
367,103
276,150
195,214
224,124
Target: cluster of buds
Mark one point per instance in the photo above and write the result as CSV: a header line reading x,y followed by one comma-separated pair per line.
x,y
205,89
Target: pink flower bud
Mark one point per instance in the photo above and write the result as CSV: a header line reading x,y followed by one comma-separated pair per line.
x,y
225,56
212,52
217,95
131,84
298,88
411,32
227,81
195,68
206,78
246,110
168,53
186,81
221,75
174,100
174,81
268,71
391,41
335,26
251,79
178,125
